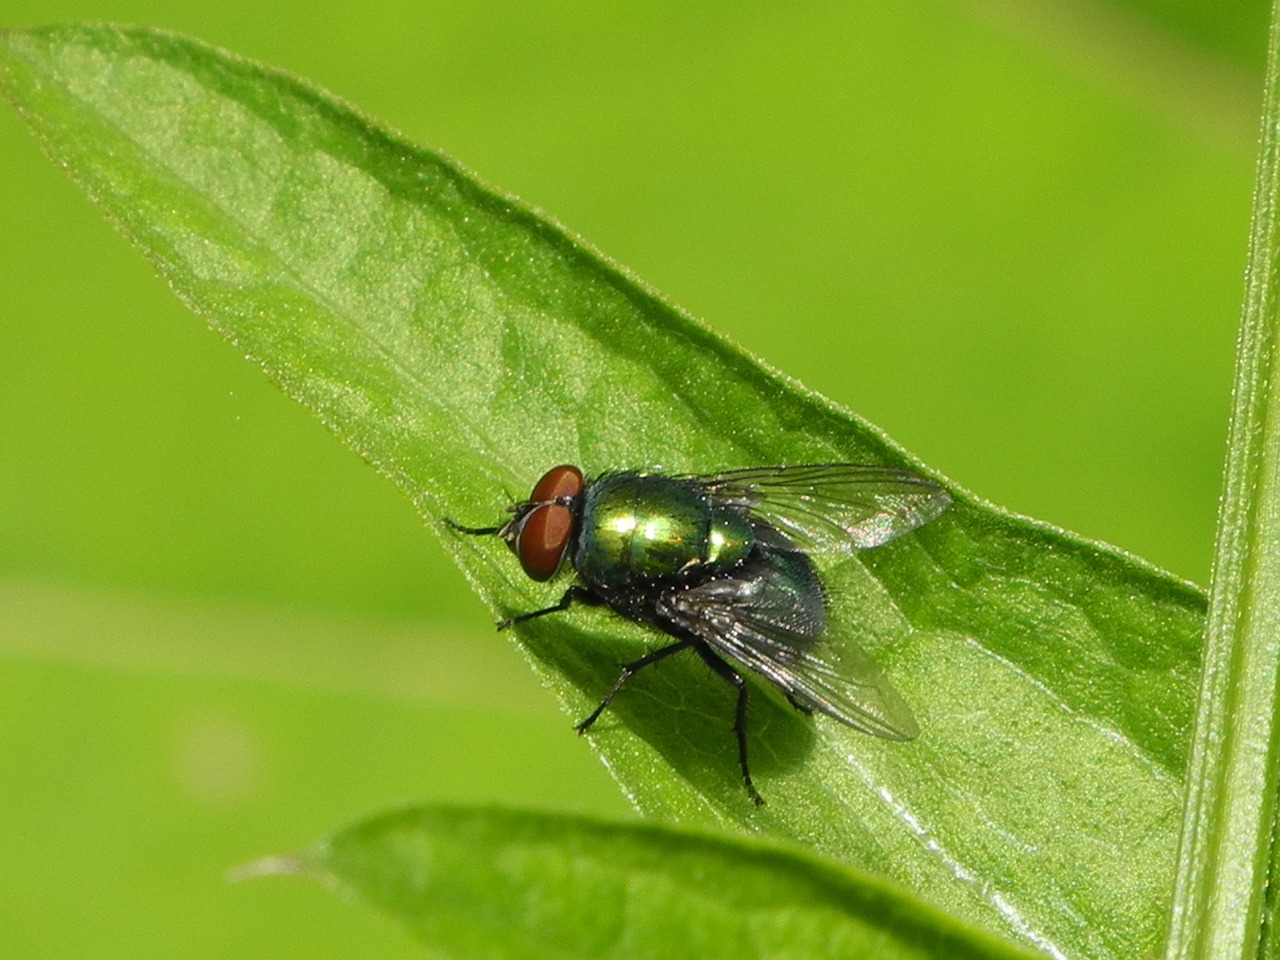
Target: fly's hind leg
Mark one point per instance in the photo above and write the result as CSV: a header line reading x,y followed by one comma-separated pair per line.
x,y
734,679
802,707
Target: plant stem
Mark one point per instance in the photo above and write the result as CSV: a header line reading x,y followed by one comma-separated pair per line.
x,y
1225,855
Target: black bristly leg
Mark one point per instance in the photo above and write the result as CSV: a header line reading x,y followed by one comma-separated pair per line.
x,y
628,672
575,594
471,531
734,678
802,707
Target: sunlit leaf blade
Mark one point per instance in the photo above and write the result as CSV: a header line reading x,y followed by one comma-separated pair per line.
x,y
1225,888
462,344
475,884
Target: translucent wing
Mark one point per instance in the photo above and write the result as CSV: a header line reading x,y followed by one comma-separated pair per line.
x,y
765,619
833,506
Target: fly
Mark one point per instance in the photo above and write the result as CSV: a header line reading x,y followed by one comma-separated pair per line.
x,y
721,564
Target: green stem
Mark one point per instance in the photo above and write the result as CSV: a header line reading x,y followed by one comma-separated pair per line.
x,y
1227,828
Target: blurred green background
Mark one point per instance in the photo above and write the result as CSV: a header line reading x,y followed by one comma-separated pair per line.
x,y
1012,237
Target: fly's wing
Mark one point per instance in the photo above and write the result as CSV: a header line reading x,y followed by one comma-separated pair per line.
x,y
764,619
833,506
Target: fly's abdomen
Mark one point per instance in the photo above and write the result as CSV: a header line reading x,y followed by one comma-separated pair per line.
x,y
638,528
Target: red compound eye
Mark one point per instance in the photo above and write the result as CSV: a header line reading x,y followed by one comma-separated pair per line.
x,y
543,539
557,484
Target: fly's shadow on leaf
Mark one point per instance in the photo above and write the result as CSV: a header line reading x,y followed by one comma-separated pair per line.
x,y
678,706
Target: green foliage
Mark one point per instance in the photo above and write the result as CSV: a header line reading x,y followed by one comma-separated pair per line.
x,y
500,884
462,343
1225,902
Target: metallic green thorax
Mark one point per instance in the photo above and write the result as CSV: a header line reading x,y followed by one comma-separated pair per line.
x,y
638,528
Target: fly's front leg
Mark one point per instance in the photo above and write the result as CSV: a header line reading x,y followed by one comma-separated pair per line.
x,y
575,594
472,531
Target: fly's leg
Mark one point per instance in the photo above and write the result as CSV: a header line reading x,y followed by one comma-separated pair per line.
x,y
471,531
732,677
629,671
575,594
802,707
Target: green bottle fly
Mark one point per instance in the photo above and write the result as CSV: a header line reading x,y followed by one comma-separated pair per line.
x,y
721,564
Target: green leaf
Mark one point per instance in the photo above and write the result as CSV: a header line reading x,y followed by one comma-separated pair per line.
x,y
462,344
479,884
1226,862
